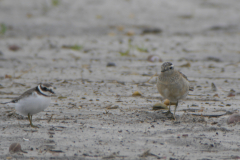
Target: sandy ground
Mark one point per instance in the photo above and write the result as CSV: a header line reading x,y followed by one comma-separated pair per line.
x,y
94,115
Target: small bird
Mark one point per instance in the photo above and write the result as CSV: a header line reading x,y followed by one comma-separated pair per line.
x,y
172,85
33,101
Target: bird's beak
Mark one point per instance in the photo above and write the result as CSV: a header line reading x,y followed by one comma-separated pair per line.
x,y
51,91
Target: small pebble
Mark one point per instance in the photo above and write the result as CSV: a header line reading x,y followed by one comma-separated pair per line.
x,y
8,76
214,123
231,94
15,148
194,105
214,88
137,93
130,33
215,59
151,31
13,47
111,64
211,66
186,65
234,118
154,58
185,135
211,145
114,107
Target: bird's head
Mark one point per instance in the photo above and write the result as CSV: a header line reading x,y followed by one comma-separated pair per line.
x,y
167,67
46,89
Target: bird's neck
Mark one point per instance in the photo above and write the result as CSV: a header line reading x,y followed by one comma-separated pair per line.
x,y
169,77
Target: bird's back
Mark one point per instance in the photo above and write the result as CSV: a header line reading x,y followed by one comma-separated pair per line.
x,y
24,95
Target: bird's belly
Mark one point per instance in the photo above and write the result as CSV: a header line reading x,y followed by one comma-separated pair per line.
x,y
173,92
32,105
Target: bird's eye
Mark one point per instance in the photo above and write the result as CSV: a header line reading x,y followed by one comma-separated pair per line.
x,y
44,88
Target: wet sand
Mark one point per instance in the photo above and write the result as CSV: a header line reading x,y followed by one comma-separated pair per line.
x,y
94,114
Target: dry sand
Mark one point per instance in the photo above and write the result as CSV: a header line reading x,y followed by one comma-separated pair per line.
x,y
94,115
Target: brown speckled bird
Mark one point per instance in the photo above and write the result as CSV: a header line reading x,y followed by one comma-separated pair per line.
x,y
172,85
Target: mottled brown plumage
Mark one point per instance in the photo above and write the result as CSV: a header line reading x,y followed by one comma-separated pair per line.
x,y
172,85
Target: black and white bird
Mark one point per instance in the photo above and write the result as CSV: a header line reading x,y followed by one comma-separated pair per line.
x,y
33,101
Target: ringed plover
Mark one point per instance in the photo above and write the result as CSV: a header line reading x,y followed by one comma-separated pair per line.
x,y
33,101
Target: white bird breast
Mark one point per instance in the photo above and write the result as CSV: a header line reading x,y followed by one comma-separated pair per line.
x,y
32,104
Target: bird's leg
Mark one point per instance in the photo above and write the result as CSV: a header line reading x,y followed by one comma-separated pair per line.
x,y
169,110
175,110
30,120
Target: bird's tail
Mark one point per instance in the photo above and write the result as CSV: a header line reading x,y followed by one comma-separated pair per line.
x,y
5,102
9,104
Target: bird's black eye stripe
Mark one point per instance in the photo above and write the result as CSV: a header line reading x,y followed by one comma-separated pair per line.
x,y
171,68
44,88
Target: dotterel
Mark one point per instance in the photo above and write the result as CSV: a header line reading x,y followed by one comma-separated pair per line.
x,y
172,84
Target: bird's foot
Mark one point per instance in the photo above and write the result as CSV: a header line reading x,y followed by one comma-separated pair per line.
x,y
174,118
170,115
167,113
33,126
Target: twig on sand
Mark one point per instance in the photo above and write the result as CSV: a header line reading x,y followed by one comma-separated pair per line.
x,y
50,118
147,153
151,77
